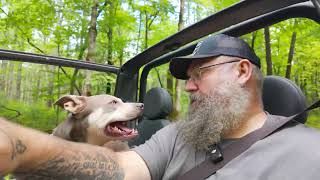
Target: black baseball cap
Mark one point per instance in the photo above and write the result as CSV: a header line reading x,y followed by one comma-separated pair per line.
x,y
213,46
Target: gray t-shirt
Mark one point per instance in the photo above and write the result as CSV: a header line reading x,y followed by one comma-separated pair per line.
x,y
291,153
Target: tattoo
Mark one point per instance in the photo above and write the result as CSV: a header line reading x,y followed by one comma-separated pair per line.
x,y
17,148
20,147
77,166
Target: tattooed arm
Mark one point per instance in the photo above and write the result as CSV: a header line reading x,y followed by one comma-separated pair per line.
x,y
39,156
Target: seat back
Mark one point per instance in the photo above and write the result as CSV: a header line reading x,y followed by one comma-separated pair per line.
x,y
283,97
157,106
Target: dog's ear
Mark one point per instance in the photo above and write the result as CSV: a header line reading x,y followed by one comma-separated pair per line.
x,y
63,130
72,103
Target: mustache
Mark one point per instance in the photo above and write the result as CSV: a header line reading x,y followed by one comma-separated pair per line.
x,y
195,97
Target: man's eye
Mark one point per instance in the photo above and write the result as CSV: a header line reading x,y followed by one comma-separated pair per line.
x,y
113,102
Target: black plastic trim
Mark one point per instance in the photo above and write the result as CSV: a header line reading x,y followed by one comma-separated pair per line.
x,y
232,15
304,10
56,61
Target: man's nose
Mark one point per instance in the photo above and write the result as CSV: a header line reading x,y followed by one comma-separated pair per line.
x,y
191,86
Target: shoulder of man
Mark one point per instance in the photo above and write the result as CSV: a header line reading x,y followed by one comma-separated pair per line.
x,y
296,133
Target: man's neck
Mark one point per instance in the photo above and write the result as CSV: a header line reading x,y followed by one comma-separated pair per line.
x,y
250,123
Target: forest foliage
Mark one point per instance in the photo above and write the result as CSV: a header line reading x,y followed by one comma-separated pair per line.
x,y
113,31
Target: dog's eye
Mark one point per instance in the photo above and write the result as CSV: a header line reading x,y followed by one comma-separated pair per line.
x,y
114,102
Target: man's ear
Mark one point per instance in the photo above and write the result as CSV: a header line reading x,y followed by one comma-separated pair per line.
x,y
244,69
72,103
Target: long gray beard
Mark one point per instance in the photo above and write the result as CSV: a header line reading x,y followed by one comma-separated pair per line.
x,y
215,115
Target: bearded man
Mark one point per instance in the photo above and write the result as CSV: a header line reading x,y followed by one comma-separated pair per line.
x,y
225,85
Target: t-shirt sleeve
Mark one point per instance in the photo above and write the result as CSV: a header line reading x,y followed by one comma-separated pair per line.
x,y
156,151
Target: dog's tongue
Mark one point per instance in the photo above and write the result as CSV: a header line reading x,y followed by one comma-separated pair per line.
x,y
120,129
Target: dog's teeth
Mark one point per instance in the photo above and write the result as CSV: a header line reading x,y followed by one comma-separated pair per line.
x,y
116,129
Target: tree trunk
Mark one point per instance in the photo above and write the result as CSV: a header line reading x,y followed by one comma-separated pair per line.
x,y
73,81
188,12
3,73
170,83
10,75
121,57
146,31
181,15
148,22
268,50
139,33
92,35
112,13
177,95
50,88
29,88
291,53
18,87
83,47
253,39
198,13
38,86
110,45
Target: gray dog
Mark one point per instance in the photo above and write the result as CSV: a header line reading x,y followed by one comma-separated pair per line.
x,y
97,119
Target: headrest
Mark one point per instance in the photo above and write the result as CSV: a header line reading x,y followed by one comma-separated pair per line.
x,y
282,97
157,104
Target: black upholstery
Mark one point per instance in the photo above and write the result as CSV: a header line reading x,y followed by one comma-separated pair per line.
x,y
157,106
157,103
282,97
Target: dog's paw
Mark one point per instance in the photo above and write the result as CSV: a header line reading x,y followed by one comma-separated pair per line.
x,y
117,146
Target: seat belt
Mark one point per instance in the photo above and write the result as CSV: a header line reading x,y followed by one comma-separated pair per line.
x,y
219,159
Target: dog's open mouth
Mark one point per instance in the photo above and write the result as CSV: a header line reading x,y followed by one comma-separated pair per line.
x,y
120,129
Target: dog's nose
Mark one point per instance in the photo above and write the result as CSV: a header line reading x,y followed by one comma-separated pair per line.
x,y
140,106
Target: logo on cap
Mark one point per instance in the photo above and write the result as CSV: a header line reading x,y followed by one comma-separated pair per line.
x,y
196,49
